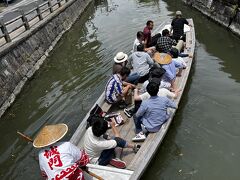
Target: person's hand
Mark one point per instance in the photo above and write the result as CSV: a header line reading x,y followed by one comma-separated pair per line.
x,y
112,123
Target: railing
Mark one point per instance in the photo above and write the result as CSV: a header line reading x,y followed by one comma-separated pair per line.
x,y
25,20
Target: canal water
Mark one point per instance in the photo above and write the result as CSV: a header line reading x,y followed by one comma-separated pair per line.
x,y
203,141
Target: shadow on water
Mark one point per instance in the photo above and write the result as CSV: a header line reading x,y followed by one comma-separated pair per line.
x,y
208,33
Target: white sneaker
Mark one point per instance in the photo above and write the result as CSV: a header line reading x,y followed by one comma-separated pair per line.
x,y
139,137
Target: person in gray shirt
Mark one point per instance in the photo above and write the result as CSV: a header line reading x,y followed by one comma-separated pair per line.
x,y
140,62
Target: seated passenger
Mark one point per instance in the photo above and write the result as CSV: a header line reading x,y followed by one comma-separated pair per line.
x,y
152,113
114,91
105,150
140,40
165,60
120,60
150,41
165,43
141,63
175,57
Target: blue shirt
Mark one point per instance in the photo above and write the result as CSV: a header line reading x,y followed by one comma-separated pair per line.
x,y
113,88
170,73
153,112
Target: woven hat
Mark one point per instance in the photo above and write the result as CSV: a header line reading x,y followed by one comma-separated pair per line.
x,y
120,57
178,13
162,58
49,135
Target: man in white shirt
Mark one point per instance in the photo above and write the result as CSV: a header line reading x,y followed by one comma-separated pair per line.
x,y
104,151
59,160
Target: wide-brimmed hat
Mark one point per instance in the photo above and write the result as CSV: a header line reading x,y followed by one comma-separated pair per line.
x,y
49,135
120,57
162,58
178,13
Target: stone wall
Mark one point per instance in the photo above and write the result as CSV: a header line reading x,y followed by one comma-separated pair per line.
x,y
225,12
22,57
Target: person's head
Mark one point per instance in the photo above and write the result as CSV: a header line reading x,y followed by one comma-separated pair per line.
x,y
140,35
156,72
174,52
99,127
149,24
178,14
165,32
140,47
125,73
153,88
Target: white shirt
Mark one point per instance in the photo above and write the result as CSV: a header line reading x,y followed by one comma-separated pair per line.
x,y
95,145
59,160
162,92
135,44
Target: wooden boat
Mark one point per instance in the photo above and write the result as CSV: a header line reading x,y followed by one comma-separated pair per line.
x,y
137,163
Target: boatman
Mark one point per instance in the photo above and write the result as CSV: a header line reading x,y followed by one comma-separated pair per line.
x,y
59,160
177,26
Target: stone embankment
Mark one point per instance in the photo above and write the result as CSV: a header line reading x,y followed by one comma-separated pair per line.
x,y
21,56
225,12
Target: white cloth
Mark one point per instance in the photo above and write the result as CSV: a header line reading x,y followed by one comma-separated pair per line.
x,y
95,145
59,160
163,84
135,44
180,60
162,92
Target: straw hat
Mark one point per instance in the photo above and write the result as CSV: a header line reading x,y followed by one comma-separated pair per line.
x,y
120,57
49,135
162,58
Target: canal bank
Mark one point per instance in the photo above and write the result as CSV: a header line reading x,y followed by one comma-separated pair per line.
x,y
202,142
22,56
225,12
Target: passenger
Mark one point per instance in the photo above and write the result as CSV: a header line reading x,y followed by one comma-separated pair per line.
x,y
165,43
177,26
120,60
150,41
152,113
165,60
175,57
138,98
140,40
104,150
141,63
59,160
156,73
114,91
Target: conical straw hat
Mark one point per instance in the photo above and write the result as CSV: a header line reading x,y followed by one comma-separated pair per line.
x,y
162,58
49,135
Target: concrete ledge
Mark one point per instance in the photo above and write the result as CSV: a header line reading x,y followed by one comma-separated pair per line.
x,y
22,57
219,11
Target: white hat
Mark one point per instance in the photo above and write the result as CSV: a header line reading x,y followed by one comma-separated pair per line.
x,y
120,57
178,13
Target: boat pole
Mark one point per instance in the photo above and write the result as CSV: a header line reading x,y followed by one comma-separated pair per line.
x,y
27,138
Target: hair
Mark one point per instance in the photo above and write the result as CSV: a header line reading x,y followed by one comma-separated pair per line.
x,y
140,34
149,22
125,71
99,126
165,32
153,88
174,52
140,47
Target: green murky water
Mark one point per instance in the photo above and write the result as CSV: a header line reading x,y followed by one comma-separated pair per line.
x,y
203,141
